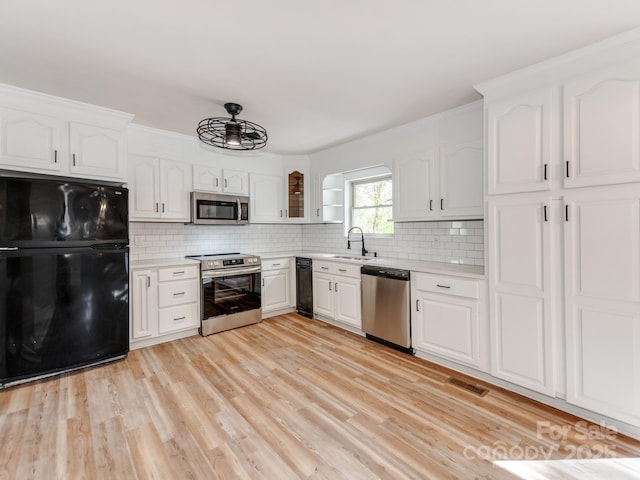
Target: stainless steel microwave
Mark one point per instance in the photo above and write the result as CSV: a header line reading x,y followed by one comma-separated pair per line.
x,y
217,209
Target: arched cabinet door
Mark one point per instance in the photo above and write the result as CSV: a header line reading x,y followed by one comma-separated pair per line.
x,y
602,127
519,146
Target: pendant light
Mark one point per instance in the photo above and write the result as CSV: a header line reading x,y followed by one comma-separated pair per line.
x,y
232,133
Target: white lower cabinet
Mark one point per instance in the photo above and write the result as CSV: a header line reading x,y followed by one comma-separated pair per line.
x,y
337,294
520,290
602,300
277,288
165,304
447,318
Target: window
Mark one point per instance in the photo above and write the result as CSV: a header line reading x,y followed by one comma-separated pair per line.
x,y
371,207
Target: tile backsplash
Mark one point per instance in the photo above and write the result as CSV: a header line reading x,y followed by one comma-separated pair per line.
x,y
447,241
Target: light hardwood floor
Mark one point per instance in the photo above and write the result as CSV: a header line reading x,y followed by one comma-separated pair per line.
x,y
289,398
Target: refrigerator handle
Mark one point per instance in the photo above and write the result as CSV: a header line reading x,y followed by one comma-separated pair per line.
x,y
8,249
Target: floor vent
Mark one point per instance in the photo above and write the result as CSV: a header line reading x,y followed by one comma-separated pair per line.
x,y
468,386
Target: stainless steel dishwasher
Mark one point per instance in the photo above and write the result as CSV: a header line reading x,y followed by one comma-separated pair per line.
x,y
386,309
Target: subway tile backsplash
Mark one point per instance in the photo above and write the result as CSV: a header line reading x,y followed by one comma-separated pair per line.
x,y
446,241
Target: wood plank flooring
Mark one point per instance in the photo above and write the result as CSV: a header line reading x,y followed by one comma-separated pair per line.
x,y
290,398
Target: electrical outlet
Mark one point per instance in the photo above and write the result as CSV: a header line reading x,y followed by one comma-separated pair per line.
x,y
435,242
137,240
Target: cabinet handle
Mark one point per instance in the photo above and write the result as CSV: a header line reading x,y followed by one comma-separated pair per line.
x,y
317,212
178,294
280,213
181,272
417,305
545,171
335,287
74,159
286,213
566,213
178,319
162,207
148,281
263,281
55,156
567,168
225,183
545,214
275,264
442,204
342,269
442,286
217,182
431,205
324,268
157,207
329,286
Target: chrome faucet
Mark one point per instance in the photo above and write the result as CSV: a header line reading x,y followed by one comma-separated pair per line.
x,y
364,250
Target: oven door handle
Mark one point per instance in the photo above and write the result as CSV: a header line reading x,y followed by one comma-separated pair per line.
x,y
231,272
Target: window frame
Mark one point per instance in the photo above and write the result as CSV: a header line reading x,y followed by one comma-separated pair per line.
x,y
350,204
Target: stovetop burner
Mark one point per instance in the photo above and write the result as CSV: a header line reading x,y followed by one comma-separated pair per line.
x,y
218,261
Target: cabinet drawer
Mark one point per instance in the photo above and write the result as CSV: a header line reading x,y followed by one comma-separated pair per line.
x,y
178,273
178,293
346,269
275,264
446,285
178,318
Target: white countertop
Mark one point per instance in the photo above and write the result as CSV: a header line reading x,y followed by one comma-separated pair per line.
x,y
470,271
163,262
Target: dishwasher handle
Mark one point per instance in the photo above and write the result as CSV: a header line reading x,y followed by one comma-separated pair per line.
x,y
392,273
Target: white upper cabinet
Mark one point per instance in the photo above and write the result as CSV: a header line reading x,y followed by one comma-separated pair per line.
x,y
519,143
159,189
214,179
207,178
97,151
460,174
449,186
266,199
602,127
235,181
44,134
602,300
31,140
414,187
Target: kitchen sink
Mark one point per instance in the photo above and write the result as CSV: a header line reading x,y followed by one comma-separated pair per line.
x,y
364,259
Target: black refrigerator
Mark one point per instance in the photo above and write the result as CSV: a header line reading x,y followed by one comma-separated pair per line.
x,y
64,276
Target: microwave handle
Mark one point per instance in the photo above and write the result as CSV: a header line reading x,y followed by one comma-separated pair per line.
x,y
239,210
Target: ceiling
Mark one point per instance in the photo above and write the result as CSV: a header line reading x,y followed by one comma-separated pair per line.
x,y
314,74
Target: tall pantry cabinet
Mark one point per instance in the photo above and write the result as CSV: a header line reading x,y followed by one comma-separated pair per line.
x,y
563,223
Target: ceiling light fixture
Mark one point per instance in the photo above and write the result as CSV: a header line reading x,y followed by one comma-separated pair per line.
x,y
232,133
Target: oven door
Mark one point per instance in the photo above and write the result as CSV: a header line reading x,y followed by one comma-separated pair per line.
x,y
225,294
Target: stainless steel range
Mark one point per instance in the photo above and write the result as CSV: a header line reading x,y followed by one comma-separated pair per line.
x,y
230,291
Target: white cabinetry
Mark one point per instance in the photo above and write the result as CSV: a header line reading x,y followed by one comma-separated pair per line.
x,y
50,135
54,144
520,290
414,187
446,318
336,293
165,303
277,288
519,146
602,265
267,197
30,140
602,127
449,188
159,189
218,180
